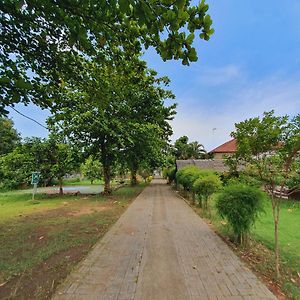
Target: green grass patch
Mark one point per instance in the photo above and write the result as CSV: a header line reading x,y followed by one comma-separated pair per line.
x,y
34,232
263,230
29,242
77,181
18,204
289,231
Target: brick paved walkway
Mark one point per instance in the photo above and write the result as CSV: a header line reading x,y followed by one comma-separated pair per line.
x,y
160,249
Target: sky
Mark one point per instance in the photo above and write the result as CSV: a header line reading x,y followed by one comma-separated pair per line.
x,y
250,65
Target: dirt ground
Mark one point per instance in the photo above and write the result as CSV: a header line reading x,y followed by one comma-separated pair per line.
x,y
86,223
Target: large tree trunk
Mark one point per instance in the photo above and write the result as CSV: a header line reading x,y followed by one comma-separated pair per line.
x,y
61,192
106,175
106,163
133,177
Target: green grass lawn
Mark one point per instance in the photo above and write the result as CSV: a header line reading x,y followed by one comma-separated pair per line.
x,y
289,231
42,240
289,242
68,184
16,204
75,181
263,230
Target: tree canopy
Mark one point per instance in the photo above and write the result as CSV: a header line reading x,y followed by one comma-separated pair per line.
x,y
185,150
119,117
51,157
42,40
91,169
9,137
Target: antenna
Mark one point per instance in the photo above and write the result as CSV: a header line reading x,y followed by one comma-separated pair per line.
x,y
214,137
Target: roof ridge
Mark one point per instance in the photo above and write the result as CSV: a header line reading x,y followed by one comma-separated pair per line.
x,y
229,146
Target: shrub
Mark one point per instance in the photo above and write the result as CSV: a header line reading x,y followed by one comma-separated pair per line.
x,y
145,173
244,179
15,169
294,181
170,174
72,180
187,175
149,178
240,205
92,169
205,186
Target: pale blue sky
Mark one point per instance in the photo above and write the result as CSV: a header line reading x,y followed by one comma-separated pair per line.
x,y
250,65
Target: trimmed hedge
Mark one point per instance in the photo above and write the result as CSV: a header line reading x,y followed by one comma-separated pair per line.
x,y
187,175
170,173
240,205
205,186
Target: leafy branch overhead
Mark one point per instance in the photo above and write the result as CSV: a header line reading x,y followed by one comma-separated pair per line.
x,y
41,40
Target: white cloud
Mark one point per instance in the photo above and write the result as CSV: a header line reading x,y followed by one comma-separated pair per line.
x,y
221,75
249,100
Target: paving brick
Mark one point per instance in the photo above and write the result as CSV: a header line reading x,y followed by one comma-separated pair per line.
x,y
160,249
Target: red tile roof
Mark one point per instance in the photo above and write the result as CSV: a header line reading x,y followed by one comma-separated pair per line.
x,y
228,147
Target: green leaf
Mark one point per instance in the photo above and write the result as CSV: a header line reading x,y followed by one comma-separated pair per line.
x,y
207,21
124,6
180,3
211,32
183,16
16,97
190,38
22,84
5,80
193,55
185,61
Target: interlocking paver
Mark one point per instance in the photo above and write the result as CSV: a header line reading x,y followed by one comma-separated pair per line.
x,y
160,249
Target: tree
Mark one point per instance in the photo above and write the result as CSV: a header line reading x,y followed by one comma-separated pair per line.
x,y
170,173
15,169
42,157
143,150
32,155
271,145
9,137
181,147
91,169
149,132
41,40
113,113
51,157
64,161
196,150
185,150
187,176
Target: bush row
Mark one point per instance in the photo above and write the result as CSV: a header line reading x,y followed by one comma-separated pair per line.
x,y
170,174
239,201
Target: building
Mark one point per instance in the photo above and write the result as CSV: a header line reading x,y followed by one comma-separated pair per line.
x,y
224,150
